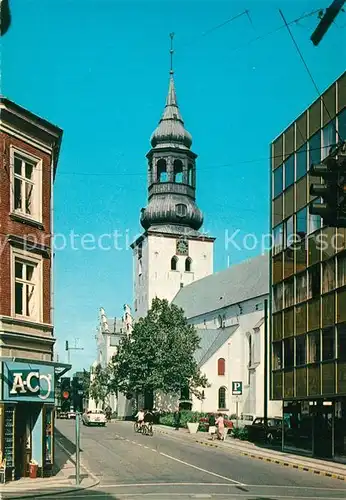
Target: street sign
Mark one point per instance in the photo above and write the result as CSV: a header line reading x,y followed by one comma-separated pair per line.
x,y
237,388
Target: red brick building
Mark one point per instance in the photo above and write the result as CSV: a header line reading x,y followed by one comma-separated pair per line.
x,y
29,148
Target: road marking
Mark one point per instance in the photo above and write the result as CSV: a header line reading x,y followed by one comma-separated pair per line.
x,y
200,469
137,485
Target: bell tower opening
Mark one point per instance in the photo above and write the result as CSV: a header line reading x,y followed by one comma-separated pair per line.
x,y
178,171
161,171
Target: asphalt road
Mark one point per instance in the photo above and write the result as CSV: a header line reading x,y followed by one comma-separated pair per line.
x,y
131,466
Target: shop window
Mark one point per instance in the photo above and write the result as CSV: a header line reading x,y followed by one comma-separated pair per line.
x,y
289,292
328,344
277,355
315,149
301,162
328,276
342,342
277,297
314,282
278,237
278,182
288,353
301,287
289,171
222,398
277,385
301,350
221,366
314,342
342,270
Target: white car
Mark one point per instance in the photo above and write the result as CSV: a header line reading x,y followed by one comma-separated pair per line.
x,y
94,417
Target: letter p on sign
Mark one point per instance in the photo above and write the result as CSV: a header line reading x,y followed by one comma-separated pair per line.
x,y
237,388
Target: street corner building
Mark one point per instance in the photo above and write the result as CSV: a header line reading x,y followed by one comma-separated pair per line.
x,y
29,154
308,286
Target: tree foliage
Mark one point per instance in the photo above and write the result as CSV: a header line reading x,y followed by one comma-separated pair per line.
x,y
100,386
159,354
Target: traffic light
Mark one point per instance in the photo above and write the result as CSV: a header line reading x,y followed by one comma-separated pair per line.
x,y
78,392
66,345
65,392
333,189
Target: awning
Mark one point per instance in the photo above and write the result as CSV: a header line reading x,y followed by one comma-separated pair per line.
x,y
59,368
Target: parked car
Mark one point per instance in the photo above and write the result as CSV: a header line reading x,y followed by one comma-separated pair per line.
x,y
71,414
270,432
244,420
94,417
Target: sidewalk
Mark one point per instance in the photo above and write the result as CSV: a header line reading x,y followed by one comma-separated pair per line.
x,y
63,480
317,466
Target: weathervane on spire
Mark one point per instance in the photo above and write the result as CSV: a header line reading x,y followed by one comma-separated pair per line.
x,y
171,52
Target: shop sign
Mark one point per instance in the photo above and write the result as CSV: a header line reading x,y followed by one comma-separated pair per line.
x,y
28,382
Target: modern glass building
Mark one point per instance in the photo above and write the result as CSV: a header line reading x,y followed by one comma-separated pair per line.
x,y
308,286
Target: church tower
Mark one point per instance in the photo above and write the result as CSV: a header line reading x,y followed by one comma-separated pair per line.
x,y
171,252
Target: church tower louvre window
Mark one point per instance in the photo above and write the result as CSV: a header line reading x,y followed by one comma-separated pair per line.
x,y
172,239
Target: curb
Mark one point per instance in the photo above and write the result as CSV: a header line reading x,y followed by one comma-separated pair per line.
x,y
272,460
56,492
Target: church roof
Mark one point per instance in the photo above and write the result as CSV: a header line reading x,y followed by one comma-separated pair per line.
x,y
170,131
238,283
211,341
115,325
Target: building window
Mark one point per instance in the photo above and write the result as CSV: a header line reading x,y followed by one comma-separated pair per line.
x,y
26,187
328,276
278,183
301,287
342,124
301,162
289,171
289,292
289,232
301,350
342,342
328,344
27,288
314,282
188,264
315,149
250,351
302,223
314,223
178,171
314,342
328,138
289,352
222,398
161,171
342,270
277,355
221,366
174,262
278,237
181,210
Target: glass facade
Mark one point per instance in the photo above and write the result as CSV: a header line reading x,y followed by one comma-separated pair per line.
x,y
308,275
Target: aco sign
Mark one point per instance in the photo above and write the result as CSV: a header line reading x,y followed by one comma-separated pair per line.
x,y
28,382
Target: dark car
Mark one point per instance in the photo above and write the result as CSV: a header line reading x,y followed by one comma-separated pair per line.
x,y
270,432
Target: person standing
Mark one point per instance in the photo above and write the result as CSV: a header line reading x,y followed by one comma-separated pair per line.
x,y
212,427
177,417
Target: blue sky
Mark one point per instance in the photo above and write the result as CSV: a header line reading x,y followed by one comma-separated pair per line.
x,y
99,70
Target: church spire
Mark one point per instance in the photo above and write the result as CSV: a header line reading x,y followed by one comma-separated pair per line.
x,y
171,53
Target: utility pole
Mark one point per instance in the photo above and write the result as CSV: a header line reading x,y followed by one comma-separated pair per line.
x,y
326,21
69,349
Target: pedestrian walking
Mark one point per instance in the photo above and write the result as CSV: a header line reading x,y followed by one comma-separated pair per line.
x,y
211,426
220,422
177,416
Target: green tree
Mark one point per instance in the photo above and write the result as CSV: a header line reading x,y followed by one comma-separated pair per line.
x,y
100,386
159,354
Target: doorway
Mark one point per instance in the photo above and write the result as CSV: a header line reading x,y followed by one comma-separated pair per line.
x,y
323,430
20,434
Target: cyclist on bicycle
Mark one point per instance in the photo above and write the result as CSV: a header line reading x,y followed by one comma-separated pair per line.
x,y
148,421
140,417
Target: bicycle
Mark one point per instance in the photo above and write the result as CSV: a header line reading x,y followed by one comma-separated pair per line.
x,y
137,427
148,429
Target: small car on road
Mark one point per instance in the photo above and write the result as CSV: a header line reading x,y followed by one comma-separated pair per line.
x,y
94,417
